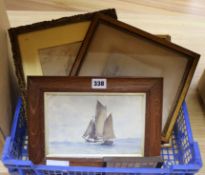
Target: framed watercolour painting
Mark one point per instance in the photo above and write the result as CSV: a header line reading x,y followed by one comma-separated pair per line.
x,y
112,48
49,47
83,120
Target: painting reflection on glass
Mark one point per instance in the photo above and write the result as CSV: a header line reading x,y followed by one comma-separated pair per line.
x,y
94,124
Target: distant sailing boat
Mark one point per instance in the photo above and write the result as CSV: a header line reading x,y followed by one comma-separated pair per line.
x,y
100,128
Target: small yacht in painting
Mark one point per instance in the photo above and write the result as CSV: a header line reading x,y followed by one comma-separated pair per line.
x,y
100,128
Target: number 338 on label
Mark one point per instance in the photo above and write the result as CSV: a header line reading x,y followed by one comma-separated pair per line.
x,y
99,83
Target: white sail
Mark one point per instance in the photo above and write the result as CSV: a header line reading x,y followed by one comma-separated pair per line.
x,y
108,132
100,116
90,131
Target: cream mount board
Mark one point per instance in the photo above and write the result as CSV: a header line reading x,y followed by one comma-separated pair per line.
x,y
32,43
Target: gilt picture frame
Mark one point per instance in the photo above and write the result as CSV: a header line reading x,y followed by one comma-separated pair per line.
x,y
49,47
112,48
62,112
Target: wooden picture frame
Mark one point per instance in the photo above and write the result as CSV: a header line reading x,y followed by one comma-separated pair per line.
x,y
134,162
49,39
38,109
113,48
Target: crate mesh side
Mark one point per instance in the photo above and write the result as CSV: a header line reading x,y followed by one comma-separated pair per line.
x,y
180,152
18,149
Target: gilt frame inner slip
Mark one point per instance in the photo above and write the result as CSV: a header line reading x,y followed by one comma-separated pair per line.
x,y
40,89
33,45
112,48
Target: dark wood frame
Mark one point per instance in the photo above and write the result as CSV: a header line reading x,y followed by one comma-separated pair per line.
x,y
130,30
130,162
38,85
15,32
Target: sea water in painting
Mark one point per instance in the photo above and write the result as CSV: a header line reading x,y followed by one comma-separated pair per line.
x,y
94,124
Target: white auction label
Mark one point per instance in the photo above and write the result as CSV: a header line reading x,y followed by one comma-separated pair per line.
x,y
57,163
99,83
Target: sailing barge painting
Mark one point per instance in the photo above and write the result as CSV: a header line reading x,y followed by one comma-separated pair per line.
x,y
100,128
94,125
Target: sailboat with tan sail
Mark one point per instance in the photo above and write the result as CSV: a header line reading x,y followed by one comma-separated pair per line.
x,y
100,128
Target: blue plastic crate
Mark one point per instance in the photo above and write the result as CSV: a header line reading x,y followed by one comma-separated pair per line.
x,y
182,158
